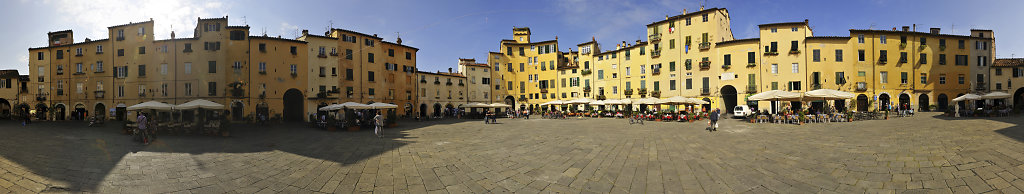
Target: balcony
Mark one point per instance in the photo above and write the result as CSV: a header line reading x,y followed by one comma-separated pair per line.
x,y
99,94
449,83
726,66
237,92
627,92
655,53
120,38
705,65
585,72
705,91
882,61
815,86
642,92
321,55
544,90
751,64
656,94
586,89
704,46
40,97
60,92
654,37
601,97
656,71
751,89
981,86
771,53
862,86
334,54
423,81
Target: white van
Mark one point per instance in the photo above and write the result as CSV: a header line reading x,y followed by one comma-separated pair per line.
x,y
741,111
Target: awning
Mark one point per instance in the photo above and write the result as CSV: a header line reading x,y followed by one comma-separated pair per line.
x,y
151,105
828,94
775,95
967,97
199,103
995,95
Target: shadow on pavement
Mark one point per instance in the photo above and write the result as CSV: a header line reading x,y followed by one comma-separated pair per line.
x,y
80,158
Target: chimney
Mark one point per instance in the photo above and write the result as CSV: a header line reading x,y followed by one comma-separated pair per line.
x,y
935,30
305,32
684,11
702,7
375,35
637,41
906,28
618,46
449,70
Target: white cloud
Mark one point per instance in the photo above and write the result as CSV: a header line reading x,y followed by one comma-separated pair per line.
x,y
289,30
90,18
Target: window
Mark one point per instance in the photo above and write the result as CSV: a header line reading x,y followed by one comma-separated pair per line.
x,y
142,50
78,68
840,77
794,29
39,56
188,68
960,79
882,39
774,30
796,68
99,48
293,69
78,86
839,55
861,74
942,59
212,67
348,74
924,78
960,44
883,76
794,85
294,50
924,58
705,17
211,89
188,48
369,76
774,47
961,60
883,56
727,60
860,55
903,39
817,55
942,78
627,71
903,78
903,57
671,43
924,41
237,35
408,55
142,70
689,83
794,46
999,71
775,68
263,67
369,57
99,66
120,91
163,69
391,52
751,58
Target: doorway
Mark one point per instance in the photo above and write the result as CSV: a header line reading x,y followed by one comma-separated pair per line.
x,y
292,105
729,96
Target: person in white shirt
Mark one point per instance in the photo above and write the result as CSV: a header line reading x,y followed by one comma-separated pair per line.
x,y
379,122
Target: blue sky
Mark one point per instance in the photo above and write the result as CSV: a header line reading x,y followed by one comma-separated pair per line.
x,y
447,30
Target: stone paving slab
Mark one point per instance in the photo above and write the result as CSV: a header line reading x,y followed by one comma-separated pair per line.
x,y
921,154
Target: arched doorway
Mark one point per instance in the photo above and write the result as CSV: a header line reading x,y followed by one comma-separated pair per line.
x,y
707,107
5,108
904,101
423,110
263,110
839,105
122,111
449,109
943,102
922,103
729,96
100,111
237,109
79,113
883,101
511,101
58,112
1018,99
862,103
292,104
408,109
437,109
41,111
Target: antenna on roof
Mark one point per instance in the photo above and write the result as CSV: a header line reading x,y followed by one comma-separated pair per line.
x,y
244,21
330,25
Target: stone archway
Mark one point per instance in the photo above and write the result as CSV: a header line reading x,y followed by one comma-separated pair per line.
x,y
5,108
437,109
237,111
292,104
100,111
883,101
922,103
58,112
862,103
423,110
729,97
904,101
707,107
1018,99
943,102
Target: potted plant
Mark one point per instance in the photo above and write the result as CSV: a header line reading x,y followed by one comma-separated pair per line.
x,y
903,45
802,117
794,52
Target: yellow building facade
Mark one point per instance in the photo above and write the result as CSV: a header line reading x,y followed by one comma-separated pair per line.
x,y
695,55
282,78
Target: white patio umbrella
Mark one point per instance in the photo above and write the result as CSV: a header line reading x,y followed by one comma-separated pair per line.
x,y
354,105
500,105
580,101
648,100
476,105
967,97
995,95
599,102
381,105
553,102
332,107
829,94
775,95
199,103
151,105
697,101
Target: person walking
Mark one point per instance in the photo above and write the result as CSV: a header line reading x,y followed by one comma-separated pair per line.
x,y
713,120
142,122
379,122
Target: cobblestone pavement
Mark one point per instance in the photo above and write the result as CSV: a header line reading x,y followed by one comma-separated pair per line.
x,y
924,153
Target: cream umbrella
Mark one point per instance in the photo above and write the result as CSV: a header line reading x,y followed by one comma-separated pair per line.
x,y
200,103
476,105
354,105
829,94
381,105
332,107
580,101
151,105
553,102
499,105
995,95
775,95
967,97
